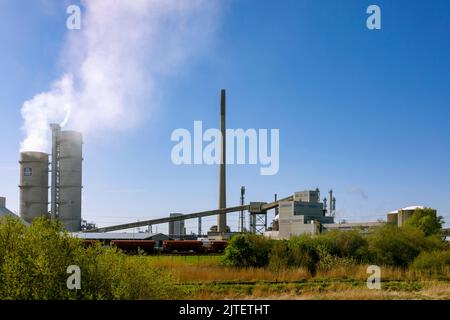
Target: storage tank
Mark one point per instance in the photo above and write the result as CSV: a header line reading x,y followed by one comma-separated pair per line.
x,y
392,218
33,185
70,165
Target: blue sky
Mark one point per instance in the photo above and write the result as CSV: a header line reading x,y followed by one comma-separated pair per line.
x,y
363,112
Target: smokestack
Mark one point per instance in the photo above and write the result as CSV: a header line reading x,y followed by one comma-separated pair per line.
x,y
222,218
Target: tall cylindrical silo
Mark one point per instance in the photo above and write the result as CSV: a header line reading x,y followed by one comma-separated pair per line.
x,y
70,166
33,185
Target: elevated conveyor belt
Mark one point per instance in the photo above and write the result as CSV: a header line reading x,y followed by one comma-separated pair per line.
x,y
264,207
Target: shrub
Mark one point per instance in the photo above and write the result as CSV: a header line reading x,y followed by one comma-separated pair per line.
x,y
299,251
280,255
304,252
391,245
34,260
432,261
426,220
247,250
345,244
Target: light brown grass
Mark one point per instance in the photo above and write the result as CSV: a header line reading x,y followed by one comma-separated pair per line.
x,y
210,280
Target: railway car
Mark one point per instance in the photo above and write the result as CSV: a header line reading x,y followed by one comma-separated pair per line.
x,y
89,242
182,246
217,246
134,245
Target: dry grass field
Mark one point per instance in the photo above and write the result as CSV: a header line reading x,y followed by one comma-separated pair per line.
x,y
203,277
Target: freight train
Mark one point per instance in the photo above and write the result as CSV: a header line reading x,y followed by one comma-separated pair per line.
x,y
168,246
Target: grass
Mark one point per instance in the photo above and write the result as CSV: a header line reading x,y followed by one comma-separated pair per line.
x,y
203,277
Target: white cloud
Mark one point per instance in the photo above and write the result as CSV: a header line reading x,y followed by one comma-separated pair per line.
x,y
114,64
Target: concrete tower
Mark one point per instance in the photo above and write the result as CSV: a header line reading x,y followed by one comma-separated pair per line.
x,y
222,218
67,158
33,185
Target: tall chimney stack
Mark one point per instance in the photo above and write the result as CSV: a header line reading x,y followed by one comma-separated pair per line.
x,y
222,218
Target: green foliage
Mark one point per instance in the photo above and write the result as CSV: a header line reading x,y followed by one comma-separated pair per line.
x,y
34,261
345,244
247,250
391,245
426,220
320,252
387,245
304,252
432,261
297,252
280,255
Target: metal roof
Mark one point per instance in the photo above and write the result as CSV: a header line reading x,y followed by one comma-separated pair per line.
x,y
410,208
352,224
6,212
117,236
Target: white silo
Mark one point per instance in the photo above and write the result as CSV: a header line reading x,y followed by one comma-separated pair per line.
x,y
33,185
70,179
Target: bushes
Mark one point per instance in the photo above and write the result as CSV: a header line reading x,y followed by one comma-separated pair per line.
x,y
426,220
347,244
387,245
432,261
247,251
297,252
34,260
391,245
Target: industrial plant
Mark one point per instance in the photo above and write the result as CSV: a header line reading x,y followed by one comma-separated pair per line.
x,y
61,173
65,172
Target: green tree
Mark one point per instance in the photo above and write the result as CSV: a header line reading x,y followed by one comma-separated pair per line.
x,y
391,245
34,261
247,250
345,244
426,220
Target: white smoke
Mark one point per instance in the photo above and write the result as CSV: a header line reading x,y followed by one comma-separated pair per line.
x,y
115,63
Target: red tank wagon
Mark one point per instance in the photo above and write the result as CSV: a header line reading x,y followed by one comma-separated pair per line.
x,y
217,246
182,246
89,242
134,245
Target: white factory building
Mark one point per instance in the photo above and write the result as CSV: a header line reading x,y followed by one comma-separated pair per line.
x,y
305,213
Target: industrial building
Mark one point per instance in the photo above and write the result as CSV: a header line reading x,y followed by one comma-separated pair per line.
x,y
301,213
5,212
66,177
33,196
176,228
106,238
399,216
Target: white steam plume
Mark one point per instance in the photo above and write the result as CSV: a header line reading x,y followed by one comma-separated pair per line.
x,y
114,63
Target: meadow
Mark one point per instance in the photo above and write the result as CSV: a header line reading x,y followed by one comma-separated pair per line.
x,y
205,277
414,265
